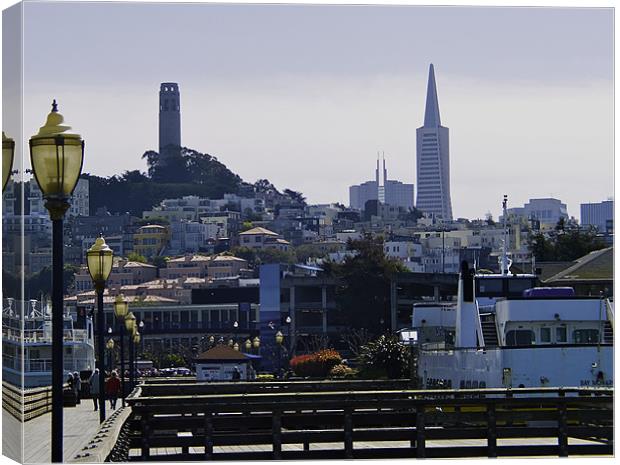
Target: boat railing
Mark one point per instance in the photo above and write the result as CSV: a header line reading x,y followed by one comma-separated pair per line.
x,y
45,365
44,336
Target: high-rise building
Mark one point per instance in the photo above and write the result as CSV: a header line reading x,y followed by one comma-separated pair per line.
x,y
600,215
390,192
169,119
433,159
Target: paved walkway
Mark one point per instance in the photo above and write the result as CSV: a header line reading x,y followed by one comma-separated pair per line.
x,y
80,423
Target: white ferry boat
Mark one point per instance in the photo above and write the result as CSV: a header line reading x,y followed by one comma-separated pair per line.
x,y
504,331
27,344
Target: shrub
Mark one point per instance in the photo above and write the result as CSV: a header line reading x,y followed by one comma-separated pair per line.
x,y
385,356
341,371
317,364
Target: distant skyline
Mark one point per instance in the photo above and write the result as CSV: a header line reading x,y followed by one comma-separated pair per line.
x,y
305,95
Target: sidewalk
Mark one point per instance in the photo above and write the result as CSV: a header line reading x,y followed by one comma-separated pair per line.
x,y
80,423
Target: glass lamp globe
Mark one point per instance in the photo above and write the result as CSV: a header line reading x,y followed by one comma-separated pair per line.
x,y
236,346
248,344
279,338
110,344
130,322
256,342
121,307
99,259
136,338
8,153
56,156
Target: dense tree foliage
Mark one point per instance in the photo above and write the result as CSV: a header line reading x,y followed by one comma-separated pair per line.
x,y
37,284
363,298
562,244
262,256
188,172
385,356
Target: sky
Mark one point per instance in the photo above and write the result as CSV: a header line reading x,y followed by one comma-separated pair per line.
x,y
306,95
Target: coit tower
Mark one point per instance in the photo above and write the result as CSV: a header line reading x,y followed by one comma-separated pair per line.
x,y
169,120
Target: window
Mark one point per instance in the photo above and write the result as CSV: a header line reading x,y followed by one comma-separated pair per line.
x,y
585,336
545,335
520,337
560,334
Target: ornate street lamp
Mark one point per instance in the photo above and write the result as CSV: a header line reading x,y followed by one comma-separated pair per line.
x,y
99,259
256,343
56,157
110,346
136,343
279,340
8,152
248,345
121,307
130,326
236,346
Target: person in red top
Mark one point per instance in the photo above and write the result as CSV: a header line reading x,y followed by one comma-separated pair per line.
x,y
113,388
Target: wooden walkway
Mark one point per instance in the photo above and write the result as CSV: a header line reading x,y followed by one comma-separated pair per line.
x,y
80,424
163,451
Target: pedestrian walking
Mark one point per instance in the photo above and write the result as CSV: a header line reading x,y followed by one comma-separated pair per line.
x,y
77,383
112,388
94,387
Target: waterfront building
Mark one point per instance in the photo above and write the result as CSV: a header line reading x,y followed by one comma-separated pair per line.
x,y
123,273
599,215
169,120
433,159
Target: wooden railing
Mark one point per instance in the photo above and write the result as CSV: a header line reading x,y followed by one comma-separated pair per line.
x,y
27,404
197,424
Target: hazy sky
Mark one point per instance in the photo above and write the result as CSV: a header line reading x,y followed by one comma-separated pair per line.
x,y
306,95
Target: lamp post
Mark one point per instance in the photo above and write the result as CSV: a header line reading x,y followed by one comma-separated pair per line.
x,y
99,259
130,323
8,152
56,157
279,340
136,342
110,346
120,311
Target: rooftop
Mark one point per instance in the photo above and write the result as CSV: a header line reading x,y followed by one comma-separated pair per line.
x,y
258,230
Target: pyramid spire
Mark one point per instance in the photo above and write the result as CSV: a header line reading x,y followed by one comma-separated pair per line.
x,y
431,114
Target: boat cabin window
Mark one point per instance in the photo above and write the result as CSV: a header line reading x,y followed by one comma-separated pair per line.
x,y
560,334
507,286
585,336
545,335
520,337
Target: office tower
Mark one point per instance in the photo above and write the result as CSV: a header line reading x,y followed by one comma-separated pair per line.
x,y
169,120
386,191
433,159
600,215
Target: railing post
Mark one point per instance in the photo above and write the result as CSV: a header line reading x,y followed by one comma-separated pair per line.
x,y
348,432
144,423
208,435
491,431
420,437
562,426
276,430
